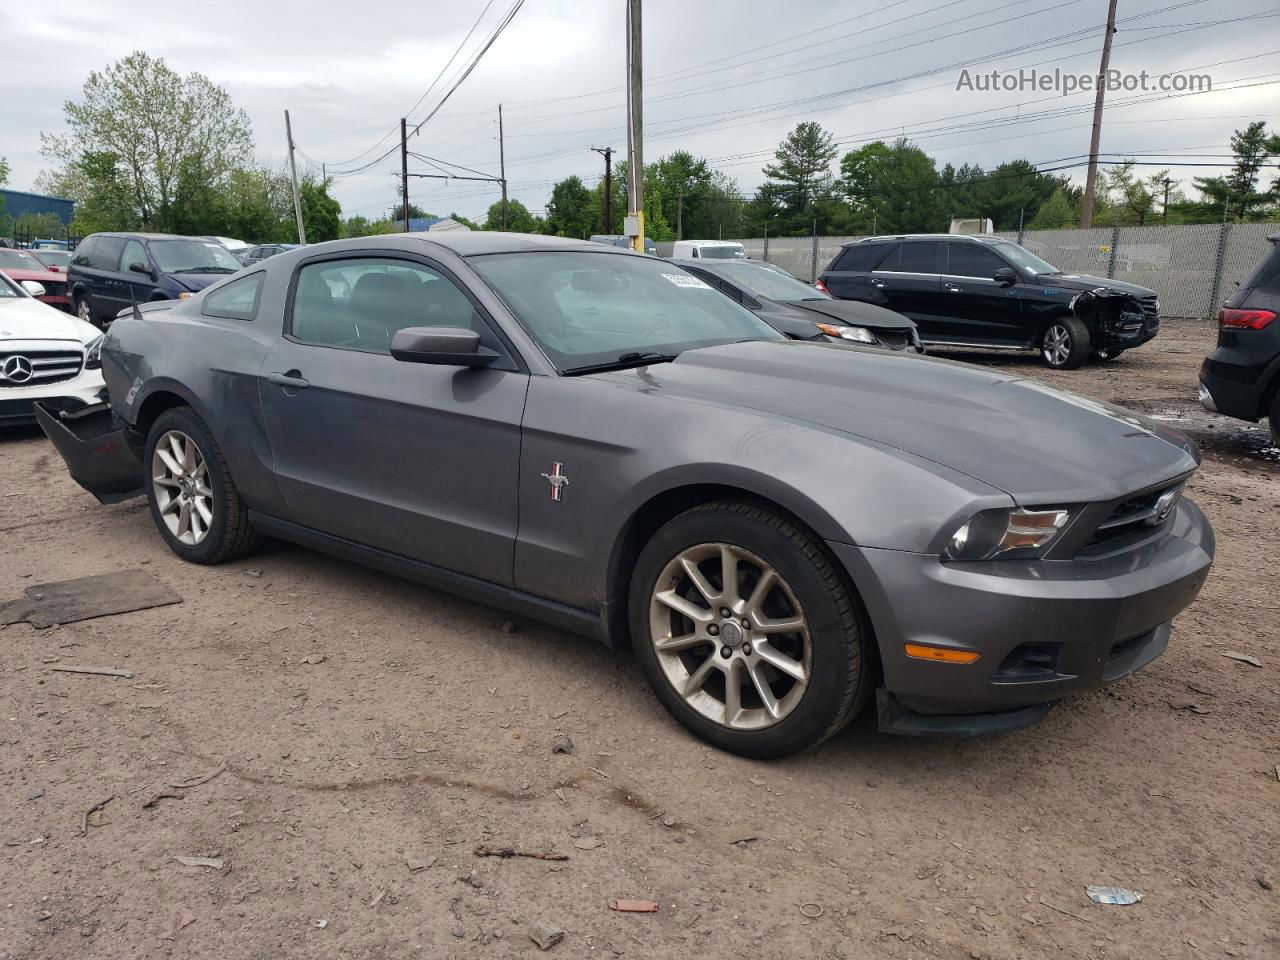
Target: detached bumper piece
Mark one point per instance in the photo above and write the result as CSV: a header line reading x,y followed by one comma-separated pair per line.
x,y
95,449
892,717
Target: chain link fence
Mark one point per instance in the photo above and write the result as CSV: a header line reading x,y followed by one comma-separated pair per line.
x,y
1193,267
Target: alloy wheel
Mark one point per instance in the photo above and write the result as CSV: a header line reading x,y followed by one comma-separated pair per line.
x,y
1057,345
184,498
83,311
730,636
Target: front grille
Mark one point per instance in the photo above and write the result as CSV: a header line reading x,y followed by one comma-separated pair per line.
x,y
32,368
1137,514
895,339
1150,306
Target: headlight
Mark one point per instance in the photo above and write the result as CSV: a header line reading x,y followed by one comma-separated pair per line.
x,y
1006,534
182,295
841,332
93,353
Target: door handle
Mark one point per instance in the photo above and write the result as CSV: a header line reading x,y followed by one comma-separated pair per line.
x,y
291,380
877,283
953,288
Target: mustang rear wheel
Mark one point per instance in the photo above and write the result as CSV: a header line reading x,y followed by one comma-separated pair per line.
x,y
194,501
1065,344
746,632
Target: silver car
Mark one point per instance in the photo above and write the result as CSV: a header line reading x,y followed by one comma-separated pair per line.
x,y
782,530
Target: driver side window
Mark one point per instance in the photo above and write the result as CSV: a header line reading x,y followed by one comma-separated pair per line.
x,y
360,303
133,253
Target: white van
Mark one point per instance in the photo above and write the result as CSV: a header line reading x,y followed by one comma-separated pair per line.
x,y
709,249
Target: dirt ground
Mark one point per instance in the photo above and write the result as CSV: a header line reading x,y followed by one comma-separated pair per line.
x,y
368,726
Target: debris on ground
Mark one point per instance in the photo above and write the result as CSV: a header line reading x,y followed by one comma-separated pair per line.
x,y
197,780
1112,895
811,910
35,794
85,598
507,853
743,841
377,899
314,658
633,906
84,818
1242,657
562,744
472,878
545,933
1188,705
162,795
1265,882
588,843
211,862
321,924
97,671
417,865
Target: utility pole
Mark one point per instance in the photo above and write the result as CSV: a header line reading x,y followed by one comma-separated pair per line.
x,y
293,175
607,153
635,125
1091,177
502,168
680,215
404,174
1164,210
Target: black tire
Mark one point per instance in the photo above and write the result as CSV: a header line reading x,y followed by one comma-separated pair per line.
x,y
1064,345
839,633
1106,356
229,534
1274,420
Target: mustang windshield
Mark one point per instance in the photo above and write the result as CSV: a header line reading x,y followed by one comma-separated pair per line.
x,y
587,309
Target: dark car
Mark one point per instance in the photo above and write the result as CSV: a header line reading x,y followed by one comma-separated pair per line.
x,y
801,311
780,528
110,271
967,291
266,250
1241,378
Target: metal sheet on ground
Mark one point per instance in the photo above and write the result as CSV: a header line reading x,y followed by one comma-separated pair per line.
x,y
67,601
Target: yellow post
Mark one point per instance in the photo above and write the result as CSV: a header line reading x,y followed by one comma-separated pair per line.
x,y
638,242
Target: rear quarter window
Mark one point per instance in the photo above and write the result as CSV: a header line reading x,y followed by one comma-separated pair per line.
x,y
106,253
238,300
1265,277
84,252
862,257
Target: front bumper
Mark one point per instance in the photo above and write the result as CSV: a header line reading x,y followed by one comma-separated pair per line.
x,y
1044,629
17,404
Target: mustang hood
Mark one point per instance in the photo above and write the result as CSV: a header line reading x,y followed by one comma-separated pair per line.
x,y
852,313
1040,445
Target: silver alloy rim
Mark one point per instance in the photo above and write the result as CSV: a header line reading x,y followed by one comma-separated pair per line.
x,y
180,477
1057,344
82,311
730,636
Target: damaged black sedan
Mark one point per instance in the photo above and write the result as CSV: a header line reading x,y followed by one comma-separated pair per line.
x,y
991,293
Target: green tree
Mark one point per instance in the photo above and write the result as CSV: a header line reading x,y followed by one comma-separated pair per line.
x,y
801,172
1238,193
4,171
1011,192
40,225
159,126
1128,197
1056,212
4,178
396,213
892,188
359,226
519,219
569,211
321,213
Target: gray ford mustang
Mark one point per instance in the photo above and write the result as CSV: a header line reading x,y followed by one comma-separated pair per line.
x,y
782,530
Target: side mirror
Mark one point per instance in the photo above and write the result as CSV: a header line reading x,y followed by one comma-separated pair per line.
x,y
33,288
447,346
1005,277
137,267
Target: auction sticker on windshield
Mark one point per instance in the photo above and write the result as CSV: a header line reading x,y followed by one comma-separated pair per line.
x,y
684,280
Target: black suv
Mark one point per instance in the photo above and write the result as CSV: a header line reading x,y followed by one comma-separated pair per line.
x,y
988,292
1241,378
111,271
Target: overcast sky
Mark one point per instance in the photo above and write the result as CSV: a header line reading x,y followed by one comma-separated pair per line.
x,y
725,79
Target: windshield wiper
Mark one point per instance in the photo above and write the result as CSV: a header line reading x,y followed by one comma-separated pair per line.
x,y
204,270
636,358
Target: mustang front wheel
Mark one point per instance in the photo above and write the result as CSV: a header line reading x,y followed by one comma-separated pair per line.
x,y
748,635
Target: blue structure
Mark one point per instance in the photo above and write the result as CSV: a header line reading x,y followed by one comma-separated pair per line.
x,y
18,202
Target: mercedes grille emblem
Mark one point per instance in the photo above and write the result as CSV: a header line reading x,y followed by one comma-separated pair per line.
x,y
17,369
